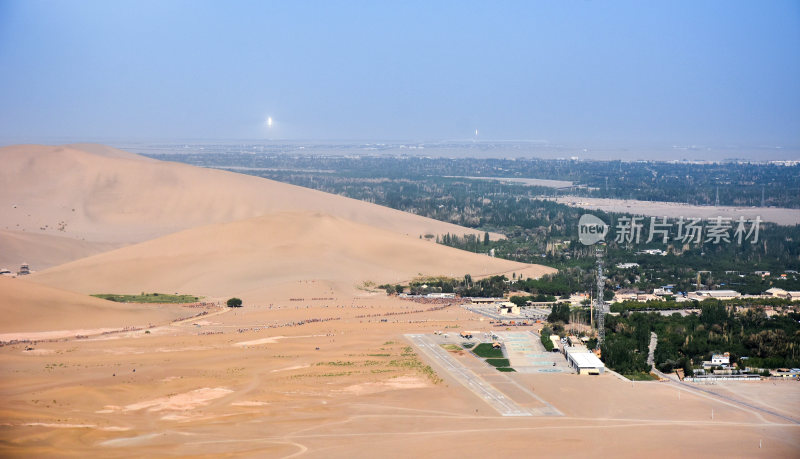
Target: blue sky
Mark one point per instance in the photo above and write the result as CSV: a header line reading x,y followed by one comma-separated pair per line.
x,y
582,72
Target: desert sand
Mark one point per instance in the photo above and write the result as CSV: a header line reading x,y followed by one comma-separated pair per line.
x,y
99,194
316,363
256,258
342,388
41,250
28,307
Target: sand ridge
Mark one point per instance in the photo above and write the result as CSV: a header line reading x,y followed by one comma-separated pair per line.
x,y
37,312
288,253
98,194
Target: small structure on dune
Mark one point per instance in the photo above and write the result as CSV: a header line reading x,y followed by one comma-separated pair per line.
x,y
24,270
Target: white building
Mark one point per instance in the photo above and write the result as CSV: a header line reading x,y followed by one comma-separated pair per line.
x,y
507,307
627,265
718,360
479,300
721,359
583,360
775,292
440,295
652,252
716,294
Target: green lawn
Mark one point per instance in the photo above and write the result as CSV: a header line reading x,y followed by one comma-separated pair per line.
x,y
640,376
498,362
148,298
486,351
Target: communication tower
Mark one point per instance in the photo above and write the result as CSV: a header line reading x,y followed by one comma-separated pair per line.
x,y
600,305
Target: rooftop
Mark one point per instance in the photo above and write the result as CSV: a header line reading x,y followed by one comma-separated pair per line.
x,y
586,360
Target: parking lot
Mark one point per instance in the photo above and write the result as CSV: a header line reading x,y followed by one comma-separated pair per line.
x,y
490,311
527,354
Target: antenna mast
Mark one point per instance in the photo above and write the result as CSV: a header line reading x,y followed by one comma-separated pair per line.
x,y
600,305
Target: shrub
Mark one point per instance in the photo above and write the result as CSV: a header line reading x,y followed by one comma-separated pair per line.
x,y
546,341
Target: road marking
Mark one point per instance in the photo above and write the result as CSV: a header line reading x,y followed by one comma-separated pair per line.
x,y
467,377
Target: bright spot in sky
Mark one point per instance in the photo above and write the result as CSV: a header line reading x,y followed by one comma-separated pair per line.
x,y
269,121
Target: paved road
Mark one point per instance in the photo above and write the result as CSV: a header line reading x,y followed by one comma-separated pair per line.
x,y
465,376
651,350
735,401
692,386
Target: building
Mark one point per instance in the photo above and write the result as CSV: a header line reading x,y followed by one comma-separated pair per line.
x,y
652,252
584,361
577,298
541,304
507,307
477,300
775,292
716,294
786,373
627,265
573,340
722,360
633,295
440,295
24,270
556,342
793,296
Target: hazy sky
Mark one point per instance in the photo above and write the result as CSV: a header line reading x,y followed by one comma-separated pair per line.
x,y
594,72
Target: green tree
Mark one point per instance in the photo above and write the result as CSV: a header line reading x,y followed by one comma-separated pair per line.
x,y
234,303
560,312
545,337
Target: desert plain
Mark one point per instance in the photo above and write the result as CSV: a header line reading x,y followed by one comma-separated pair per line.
x,y
317,363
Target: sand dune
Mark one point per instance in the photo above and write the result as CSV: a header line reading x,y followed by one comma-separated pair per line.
x,y
100,194
262,257
45,250
29,307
